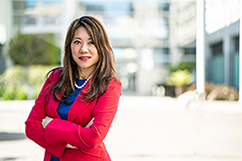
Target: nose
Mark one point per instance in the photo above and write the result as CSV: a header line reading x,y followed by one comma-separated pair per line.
x,y
84,48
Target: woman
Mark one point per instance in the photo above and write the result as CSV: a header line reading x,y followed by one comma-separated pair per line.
x,y
78,102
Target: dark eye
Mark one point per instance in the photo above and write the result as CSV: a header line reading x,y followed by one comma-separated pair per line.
x,y
77,42
91,42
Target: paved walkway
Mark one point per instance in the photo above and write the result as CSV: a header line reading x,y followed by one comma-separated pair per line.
x,y
145,129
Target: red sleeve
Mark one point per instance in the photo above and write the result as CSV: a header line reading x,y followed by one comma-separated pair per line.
x,y
33,127
88,138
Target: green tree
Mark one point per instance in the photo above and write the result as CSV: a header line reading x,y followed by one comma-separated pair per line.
x,y
190,66
32,49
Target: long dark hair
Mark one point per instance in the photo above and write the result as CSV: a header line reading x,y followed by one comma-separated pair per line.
x,y
105,68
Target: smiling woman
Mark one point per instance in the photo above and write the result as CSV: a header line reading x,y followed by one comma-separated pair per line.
x,y
84,52
78,102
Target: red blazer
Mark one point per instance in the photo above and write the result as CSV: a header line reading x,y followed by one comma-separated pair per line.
x,y
58,132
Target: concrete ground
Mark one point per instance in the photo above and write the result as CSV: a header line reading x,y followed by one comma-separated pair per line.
x,y
145,129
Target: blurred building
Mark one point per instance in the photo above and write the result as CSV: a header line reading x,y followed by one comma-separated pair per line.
x,y
138,30
145,35
222,41
139,33
183,31
221,37
5,31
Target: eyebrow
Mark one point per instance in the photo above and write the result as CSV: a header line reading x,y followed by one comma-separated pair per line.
x,y
81,38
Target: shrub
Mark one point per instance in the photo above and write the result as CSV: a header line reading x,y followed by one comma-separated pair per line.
x,y
21,93
36,77
190,66
12,79
22,82
218,92
180,77
30,49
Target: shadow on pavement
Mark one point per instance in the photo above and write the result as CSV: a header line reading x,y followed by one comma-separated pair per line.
x,y
8,159
4,136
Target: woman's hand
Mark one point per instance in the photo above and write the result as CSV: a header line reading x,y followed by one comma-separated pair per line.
x,y
46,121
70,146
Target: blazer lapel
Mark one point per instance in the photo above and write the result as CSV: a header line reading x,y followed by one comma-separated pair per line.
x,y
54,105
79,105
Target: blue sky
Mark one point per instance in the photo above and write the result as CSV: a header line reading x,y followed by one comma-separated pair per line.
x,y
31,3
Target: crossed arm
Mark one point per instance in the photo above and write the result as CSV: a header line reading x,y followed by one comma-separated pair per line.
x,y
58,134
48,119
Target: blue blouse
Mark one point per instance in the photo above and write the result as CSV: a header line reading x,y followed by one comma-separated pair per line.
x,y
64,108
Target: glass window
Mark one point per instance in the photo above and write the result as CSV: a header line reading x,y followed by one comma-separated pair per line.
x,y
217,49
36,12
111,12
236,43
189,51
109,8
95,8
163,26
161,57
18,5
164,6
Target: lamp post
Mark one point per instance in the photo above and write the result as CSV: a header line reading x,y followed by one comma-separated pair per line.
x,y
240,56
200,52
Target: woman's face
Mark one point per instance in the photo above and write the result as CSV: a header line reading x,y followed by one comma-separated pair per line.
x,y
84,52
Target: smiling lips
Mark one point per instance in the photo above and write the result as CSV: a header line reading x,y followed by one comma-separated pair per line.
x,y
84,58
